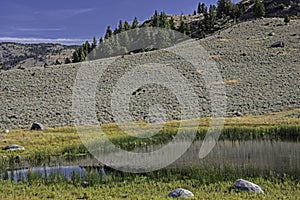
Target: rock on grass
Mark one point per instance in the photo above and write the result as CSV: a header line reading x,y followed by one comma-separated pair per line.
x,y
14,147
180,192
243,185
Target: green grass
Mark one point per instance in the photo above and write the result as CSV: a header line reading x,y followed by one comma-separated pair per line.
x,y
208,182
155,185
65,142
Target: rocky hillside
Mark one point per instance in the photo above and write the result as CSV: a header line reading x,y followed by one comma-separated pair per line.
x,y
258,78
15,55
274,8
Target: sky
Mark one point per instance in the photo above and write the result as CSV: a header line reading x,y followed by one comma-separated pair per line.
x,y
75,21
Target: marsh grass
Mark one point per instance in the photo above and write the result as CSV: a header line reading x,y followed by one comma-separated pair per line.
x,y
75,148
65,142
205,182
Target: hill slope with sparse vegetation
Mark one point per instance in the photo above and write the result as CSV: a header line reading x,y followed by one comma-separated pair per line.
x,y
258,79
16,56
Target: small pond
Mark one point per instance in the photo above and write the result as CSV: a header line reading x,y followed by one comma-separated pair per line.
x,y
279,156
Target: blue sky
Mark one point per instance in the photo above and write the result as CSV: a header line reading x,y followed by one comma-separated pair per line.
x,y
73,21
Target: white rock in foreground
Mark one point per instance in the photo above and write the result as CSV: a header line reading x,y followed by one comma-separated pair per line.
x,y
180,192
243,185
6,131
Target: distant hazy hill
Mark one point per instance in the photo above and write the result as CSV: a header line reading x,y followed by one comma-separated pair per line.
x,y
14,55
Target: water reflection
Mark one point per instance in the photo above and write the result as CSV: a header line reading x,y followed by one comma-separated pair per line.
x,y
279,156
263,154
45,172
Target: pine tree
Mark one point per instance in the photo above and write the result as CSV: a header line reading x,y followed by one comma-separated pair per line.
x,y
212,16
126,26
94,44
86,48
172,23
287,19
108,33
206,21
203,8
155,19
182,25
187,29
259,8
236,12
135,23
202,35
223,8
116,31
101,40
199,10
75,56
163,20
120,27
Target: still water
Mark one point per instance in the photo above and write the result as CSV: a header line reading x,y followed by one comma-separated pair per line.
x,y
279,156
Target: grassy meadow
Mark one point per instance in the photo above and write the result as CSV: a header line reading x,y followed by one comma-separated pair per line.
x,y
206,183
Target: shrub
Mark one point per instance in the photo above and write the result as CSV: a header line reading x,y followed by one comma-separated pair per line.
x,y
259,8
287,19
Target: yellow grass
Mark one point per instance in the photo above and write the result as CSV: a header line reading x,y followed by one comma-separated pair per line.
x,y
57,138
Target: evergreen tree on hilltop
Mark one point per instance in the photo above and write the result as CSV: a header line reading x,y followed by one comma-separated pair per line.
x,y
206,21
199,8
126,26
101,40
94,44
163,20
135,23
81,53
236,12
182,25
259,8
120,27
203,8
155,19
223,8
172,23
212,16
108,33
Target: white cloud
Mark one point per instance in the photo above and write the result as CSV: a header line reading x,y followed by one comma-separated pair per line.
x,y
38,29
66,41
64,13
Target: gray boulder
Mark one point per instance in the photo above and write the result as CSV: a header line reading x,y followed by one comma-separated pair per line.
x,y
271,34
243,185
14,147
180,192
237,114
278,44
37,127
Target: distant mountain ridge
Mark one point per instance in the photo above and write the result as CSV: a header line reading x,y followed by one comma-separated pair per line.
x,y
16,55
